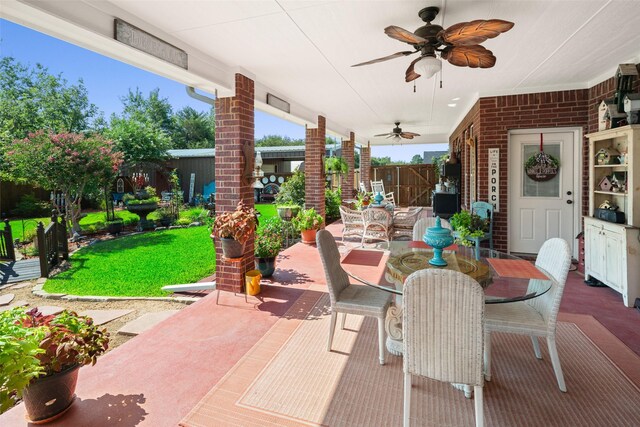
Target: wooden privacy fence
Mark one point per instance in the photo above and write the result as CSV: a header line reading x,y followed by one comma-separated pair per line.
x,y
7,251
52,244
411,184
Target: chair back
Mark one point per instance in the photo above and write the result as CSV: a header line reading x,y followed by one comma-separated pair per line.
x,y
377,216
407,219
337,278
485,211
350,216
377,187
423,223
442,323
555,259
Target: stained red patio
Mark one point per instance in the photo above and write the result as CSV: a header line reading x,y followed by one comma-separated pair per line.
x,y
156,378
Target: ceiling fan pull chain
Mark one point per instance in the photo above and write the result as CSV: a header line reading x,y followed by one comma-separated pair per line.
x,y
414,86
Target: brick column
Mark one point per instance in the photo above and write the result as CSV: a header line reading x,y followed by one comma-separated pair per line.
x,y
234,137
365,166
314,167
347,154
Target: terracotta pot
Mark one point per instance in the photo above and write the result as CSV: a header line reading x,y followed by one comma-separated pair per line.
x,y
308,236
47,398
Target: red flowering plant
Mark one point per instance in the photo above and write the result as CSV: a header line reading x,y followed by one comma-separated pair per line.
x,y
33,345
74,164
238,224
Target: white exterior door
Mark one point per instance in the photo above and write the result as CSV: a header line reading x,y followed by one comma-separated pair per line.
x,y
541,210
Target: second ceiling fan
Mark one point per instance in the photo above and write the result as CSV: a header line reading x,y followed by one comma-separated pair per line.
x,y
459,44
397,133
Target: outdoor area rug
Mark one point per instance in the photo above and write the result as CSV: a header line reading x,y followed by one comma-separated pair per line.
x,y
289,378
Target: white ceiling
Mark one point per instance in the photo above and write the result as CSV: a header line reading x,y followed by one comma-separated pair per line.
x,y
302,51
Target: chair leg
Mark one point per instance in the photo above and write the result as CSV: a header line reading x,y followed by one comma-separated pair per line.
x,y
381,338
477,252
477,392
332,328
407,399
536,346
344,318
555,361
487,356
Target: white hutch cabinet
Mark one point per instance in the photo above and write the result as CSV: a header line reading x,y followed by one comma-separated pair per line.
x,y
612,250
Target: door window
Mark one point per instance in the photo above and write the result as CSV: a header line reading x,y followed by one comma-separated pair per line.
x,y
531,188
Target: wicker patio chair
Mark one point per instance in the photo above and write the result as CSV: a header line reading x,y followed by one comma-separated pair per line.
x,y
347,298
404,221
378,224
353,222
423,223
442,327
535,317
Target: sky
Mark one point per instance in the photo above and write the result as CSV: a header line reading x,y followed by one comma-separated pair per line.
x,y
105,89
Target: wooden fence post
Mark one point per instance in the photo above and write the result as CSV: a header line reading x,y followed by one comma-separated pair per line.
x,y
8,241
42,250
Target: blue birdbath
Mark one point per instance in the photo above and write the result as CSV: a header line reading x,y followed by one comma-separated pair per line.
x,y
438,238
378,198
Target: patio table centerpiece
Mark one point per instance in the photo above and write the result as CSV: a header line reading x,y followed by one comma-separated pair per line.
x,y
40,358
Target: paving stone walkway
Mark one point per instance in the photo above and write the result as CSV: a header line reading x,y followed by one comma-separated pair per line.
x,y
145,322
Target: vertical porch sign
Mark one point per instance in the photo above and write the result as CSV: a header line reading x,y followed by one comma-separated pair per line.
x,y
192,184
494,178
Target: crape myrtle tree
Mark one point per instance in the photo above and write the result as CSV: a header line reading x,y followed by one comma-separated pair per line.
x,y
74,164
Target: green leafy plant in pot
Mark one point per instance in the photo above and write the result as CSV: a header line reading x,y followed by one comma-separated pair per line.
x,y
308,222
267,245
40,356
234,229
467,225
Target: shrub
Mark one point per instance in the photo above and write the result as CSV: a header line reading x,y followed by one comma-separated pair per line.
x,y
292,190
332,202
307,219
29,207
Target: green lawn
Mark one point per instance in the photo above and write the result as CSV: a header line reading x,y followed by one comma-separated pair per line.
x,y
138,265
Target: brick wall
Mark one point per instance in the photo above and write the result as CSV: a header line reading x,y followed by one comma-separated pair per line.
x,y
234,135
365,167
348,147
497,115
314,167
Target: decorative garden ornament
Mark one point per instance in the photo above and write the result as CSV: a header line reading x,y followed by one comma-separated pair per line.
x,y
438,238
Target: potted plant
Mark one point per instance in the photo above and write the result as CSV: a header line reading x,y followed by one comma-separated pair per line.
x,y
307,223
364,199
234,228
287,211
267,246
164,217
465,224
40,358
114,226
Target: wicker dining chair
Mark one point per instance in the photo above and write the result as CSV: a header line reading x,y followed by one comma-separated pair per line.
x,y
421,226
404,221
347,298
442,323
378,224
352,221
535,317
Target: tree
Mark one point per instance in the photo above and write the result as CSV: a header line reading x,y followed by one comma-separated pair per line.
x,y
71,163
152,109
278,141
380,161
416,160
32,99
194,129
139,141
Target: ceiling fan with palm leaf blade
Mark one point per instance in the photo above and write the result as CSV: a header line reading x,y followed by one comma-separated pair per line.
x,y
397,133
459,44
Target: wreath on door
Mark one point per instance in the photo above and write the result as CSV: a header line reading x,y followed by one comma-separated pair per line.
x,y
541,166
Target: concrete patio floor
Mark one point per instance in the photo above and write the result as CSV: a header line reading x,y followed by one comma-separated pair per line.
x,y
156,378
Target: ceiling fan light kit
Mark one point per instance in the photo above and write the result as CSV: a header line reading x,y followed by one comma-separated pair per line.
x,y
428,66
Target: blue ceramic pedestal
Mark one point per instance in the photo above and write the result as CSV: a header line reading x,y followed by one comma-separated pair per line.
x,y
438,238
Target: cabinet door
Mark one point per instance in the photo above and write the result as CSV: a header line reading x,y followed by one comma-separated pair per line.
x,y
594,252
614,253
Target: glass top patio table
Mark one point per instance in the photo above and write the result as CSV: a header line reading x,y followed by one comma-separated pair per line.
x,y
504,277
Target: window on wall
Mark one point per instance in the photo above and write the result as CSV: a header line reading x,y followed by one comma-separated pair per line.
x,y
267,168
531,188
120,185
